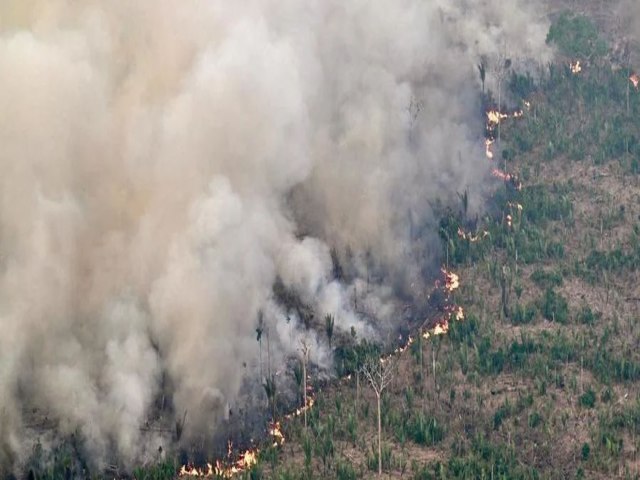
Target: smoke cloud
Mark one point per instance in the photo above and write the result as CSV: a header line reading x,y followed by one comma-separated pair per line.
x,y
163,162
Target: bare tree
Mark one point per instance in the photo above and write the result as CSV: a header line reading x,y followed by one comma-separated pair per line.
x,y
259,332
379,373
501,70
505,287
270,389
482,70
304,348
329,321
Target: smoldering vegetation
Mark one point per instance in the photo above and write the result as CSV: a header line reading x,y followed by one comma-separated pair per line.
x,y
165,163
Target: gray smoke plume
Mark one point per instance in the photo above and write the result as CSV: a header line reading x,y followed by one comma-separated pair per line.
x,y
163,162
627,16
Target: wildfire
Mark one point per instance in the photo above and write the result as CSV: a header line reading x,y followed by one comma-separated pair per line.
x,y
404,348
500,174
472,238
575,67
517,206
276,432
223,469
487,148
635,80
507,177
191,471
441,328
451,281
310,402
246,460
494,117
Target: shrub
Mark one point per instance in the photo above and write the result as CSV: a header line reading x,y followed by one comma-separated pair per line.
x,y
523,314
547,279
585,451
576,36
588,399
555,307
424,430
587,316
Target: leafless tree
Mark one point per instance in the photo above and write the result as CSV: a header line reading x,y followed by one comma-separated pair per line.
x,y
379,373
482,70
501,70
329,322
304,348
259,332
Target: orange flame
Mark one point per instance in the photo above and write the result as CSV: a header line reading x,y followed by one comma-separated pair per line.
x,y
441,328
494,117
471,238
451,280
507,177
517,206
635,80
222,469
192,471
575,67
244,462
487,148
276,432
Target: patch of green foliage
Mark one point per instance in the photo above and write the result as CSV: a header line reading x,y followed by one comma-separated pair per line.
x,y
576,36
351,357
554,306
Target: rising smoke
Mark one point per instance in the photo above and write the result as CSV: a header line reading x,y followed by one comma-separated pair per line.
x,y
162,162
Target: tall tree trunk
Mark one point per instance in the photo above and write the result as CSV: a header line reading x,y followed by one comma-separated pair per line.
x,y
357,391
628,86
261,373
499,110
379,438
422,379
304,386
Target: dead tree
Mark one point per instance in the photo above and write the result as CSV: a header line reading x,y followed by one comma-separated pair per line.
x,y
482,70
304,348
329,322
379,373
501,70
259,332
505,287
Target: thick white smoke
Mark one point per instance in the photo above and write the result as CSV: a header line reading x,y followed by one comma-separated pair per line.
x,y
162,162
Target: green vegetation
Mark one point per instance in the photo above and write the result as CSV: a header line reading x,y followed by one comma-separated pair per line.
x,y
576,36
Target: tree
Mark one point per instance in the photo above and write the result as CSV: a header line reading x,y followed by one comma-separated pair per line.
x,y
482,70
329,322
259,332
464,198
501,70
505,287
270,389
298,377
304,348
379,373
